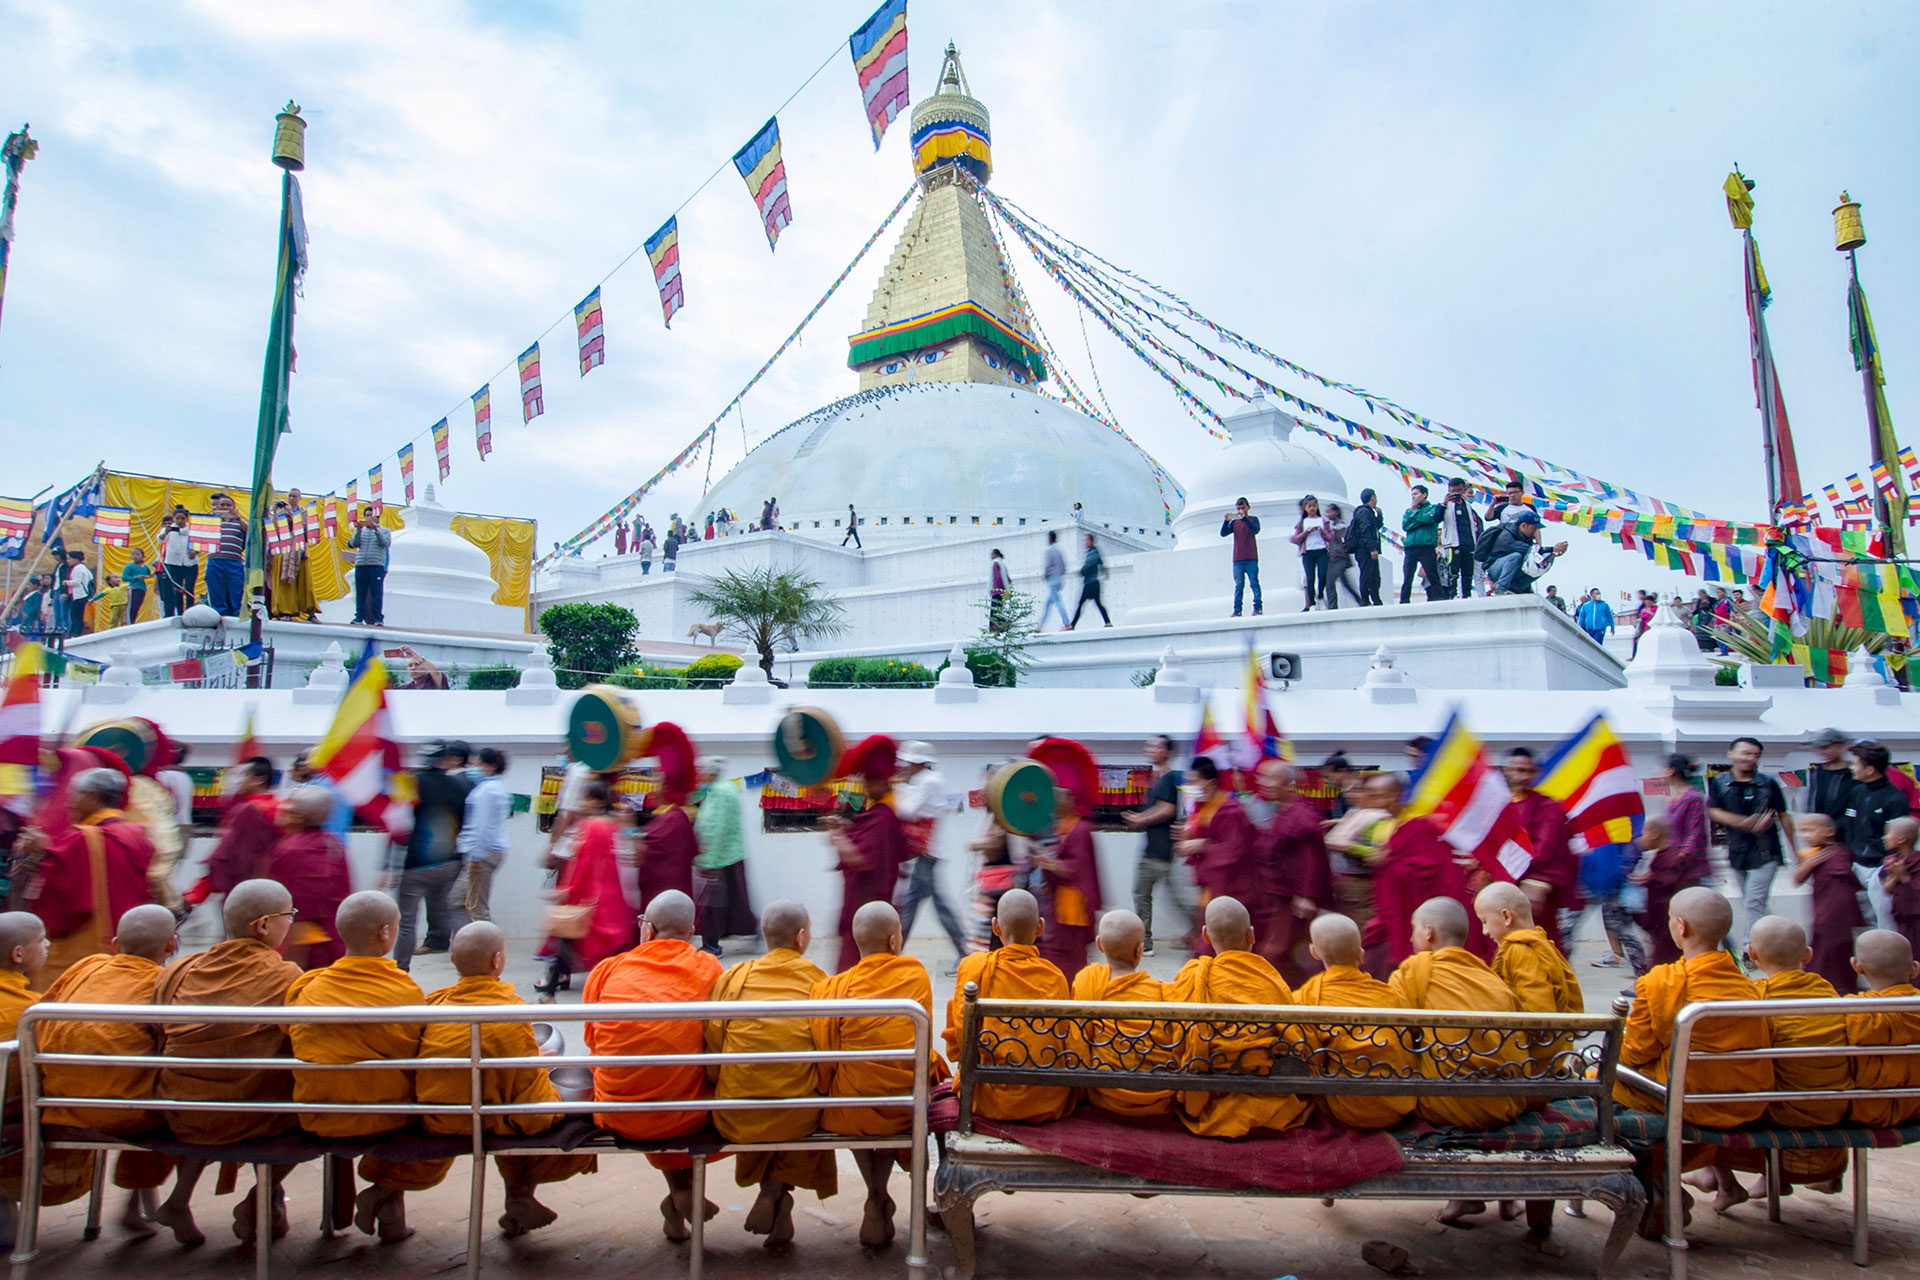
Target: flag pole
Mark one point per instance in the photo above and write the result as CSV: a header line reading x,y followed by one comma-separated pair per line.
x,y
1889,500
1776,435
18,149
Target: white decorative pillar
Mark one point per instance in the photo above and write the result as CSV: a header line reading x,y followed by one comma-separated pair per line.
x,y
537,685
956,682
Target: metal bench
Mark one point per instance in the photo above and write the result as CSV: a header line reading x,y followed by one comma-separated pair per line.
x,y
971,1164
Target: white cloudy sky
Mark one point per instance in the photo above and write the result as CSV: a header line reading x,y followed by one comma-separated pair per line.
x,y
1506,216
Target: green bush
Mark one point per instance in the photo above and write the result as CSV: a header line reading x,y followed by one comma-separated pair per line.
x,y
588,642
712,671
650,677
1725,675
831,671
991,669
869,673
501,675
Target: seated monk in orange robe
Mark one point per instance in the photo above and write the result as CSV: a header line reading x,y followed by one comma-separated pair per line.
x,y
479,954
1234,974
367,924
1885,960
142,944
1122,940
1016,971
23,951
881,974
245,971
783,973
666,968
1353,1051
1778,948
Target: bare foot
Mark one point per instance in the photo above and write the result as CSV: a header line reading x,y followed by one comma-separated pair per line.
x,y
1509,1210
876,1224
523,1214
179,1220
1453,1210
1701,1180
1728,1196
674,1225
246,1216
134,1217
392,1218
765,1207
1831,1187
782,1233
366,1208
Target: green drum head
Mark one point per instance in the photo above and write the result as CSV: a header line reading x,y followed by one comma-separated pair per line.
x,y
807,746
1021,796
131,741
600,729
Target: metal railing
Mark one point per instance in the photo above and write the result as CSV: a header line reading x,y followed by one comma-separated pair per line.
x,y
475,1109
1675,1097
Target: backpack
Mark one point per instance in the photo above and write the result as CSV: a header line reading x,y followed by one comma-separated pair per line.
x,y
1483,545
1357,530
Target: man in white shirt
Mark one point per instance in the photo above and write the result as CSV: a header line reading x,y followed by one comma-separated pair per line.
x,y
918,796
482,842
1054,570
79,591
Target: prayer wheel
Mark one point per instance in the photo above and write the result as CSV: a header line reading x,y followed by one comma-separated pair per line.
x,y
1848,231
134,741
290,139
807,746
603,729
1020,795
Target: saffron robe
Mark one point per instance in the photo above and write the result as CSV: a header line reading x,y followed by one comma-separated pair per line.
x,y
1360,1051
371,982
1416,866
876,832
1896,1071
1237,977
1126,1044
63,1177
1451,979
877,977
664,971
593,875
240,972
1071,901
1659,996
1801,1075
1836,914
1017,971
781,974
313,868
102,979
1292,853
1554,864
667,850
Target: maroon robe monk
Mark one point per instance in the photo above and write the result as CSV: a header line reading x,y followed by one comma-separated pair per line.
x,y
1416,865
1836,908
60,889
1072,901
313,868
247,836
1674,867
1223,851
1555,867
667,850
872,850
1297,880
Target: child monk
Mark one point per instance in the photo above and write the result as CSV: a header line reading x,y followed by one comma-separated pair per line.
x,y
1901,874
1358,1050
479,954
1234,974
142,944
783,973
1884,959
1827,861
23,952
368,922
882,973
1014,972
1121,941
666,968
1778,948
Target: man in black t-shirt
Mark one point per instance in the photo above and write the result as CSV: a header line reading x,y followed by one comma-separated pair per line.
x,y
1156,816
1751,809
1875,802
432,860
1830,780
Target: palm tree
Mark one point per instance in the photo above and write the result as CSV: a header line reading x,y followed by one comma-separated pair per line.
x,y
766,607
1752,635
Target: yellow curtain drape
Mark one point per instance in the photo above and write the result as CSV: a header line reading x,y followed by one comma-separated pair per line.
x,y
509,547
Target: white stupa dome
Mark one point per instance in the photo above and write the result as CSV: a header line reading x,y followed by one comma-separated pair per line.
x,y
918,460
1263,465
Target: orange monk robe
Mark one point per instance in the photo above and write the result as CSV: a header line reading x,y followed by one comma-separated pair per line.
x,y
1659,996
1454,979
1542,981
1238,977
1801,1075
1894,1071
509,1086
781,974
664,971
1126,1044
242,973
103,979
1360,1050
62,1179
876,977
1015,972
369,982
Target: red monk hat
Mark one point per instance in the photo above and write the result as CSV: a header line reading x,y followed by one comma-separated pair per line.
x,y
1073,768
874,759
166,752
669,744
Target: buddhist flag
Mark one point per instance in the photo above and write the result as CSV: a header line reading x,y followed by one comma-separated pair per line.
x,y
1591,777
1471,802
530,405
203,531
113,526
587,322
1209,742
20,730
16,517
376,479
353,500
1264,740
440,448
358,753
765,173
1859,486
406,469
1908,462
879,50
483,420
663,251
330,517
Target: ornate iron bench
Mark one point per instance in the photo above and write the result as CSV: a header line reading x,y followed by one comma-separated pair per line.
x,y
1583,1159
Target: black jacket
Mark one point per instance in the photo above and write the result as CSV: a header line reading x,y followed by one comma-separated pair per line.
x,y
1363,532
1873,806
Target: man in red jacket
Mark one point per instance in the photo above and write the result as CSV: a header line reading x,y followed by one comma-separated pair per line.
x,y
88,876
1552,881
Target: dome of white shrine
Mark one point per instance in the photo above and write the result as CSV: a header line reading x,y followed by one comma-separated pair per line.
x,y
1265,466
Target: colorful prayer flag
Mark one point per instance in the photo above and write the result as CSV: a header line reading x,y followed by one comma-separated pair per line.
x,y
359,753
1591,777
113,526
440,448
16,517
879,50
1883,448
1908,460
1470,800
406,469
663,251
483,420
203,531
376,480
353,500
1882,478
530,404
759,163
330,518
592,329
1855,483
1264,740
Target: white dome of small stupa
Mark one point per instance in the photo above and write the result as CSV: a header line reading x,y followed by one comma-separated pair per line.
x,y
1263,465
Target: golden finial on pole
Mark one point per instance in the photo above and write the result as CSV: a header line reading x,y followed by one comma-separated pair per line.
x,y
1848,231
290,139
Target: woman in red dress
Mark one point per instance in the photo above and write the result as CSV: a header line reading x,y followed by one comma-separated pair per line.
x,y
591,878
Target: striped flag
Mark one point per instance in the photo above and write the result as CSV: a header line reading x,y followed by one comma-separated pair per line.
x,y
587,322
203,531
1470,800
1882,478
1591,777
353,500
879,50
359,753
663,251
1859,486
20,730
1908,461
406,469
483,420
330,518
1264,740
530,404
759,163
16,517
113,526
440,448
376,480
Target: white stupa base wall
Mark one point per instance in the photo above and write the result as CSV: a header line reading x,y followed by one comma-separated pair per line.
x,y
415,610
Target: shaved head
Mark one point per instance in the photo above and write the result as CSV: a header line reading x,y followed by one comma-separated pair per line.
x,y
876,927
1883,957
782,922
1120,932
475,948
1018,917
1709,916
1817,828
1777,942
19,929
1446,917
362,921
313,804
1336,938
671,915
1229,926
249,901
1503,909
1900,833
146,932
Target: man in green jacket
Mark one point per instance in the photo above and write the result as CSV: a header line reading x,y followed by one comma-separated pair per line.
x,y
1421,524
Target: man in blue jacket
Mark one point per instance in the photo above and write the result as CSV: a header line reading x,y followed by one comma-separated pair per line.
x,y
1595,616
